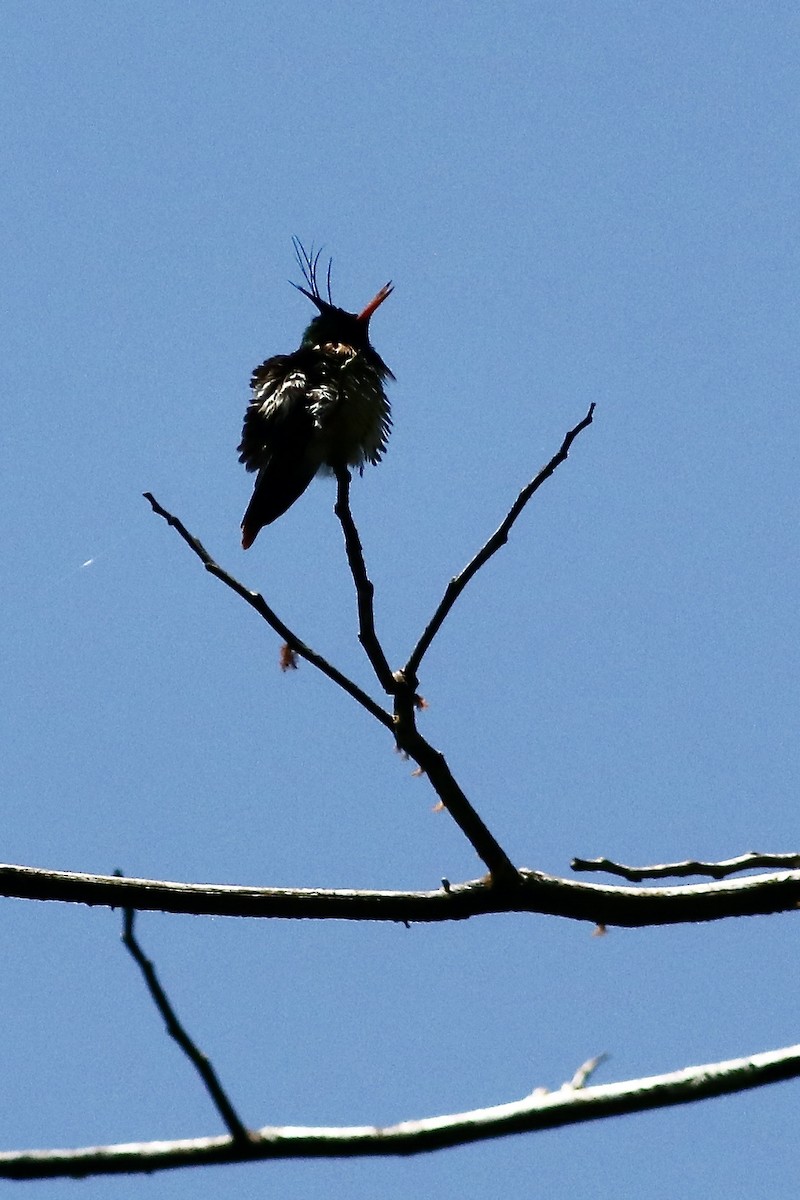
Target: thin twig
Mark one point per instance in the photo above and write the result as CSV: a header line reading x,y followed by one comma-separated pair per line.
x,y
586,1071
500,536
176,1031
257,601
690,866
539,1111
365,590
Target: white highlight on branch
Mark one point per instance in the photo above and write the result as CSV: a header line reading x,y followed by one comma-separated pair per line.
x,y
539,1111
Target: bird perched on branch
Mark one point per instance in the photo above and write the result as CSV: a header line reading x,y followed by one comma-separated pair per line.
x,y
322,408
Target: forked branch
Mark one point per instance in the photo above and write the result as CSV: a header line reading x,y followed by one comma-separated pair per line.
x,y
403,730
570,1105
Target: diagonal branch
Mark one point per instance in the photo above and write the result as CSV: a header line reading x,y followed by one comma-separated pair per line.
x,y
500,536
239,1132
444,783
365,590
541,1110
690,866
257,601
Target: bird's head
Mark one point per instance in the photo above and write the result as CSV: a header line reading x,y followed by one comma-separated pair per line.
x,y
334,325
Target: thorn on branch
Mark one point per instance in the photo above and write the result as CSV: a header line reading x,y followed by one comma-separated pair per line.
x,y
585,1072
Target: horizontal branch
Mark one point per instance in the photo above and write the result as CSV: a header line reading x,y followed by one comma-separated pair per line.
x,y
689,866
530,891
570,1105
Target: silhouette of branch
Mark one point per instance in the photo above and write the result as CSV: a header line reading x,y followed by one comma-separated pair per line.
x,y
500,536
412,743
435,766
407,737
239,1133
528,892
365,591
690,866
257,601
541,1110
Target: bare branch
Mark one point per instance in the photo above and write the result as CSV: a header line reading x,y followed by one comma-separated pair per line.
x,y
176,1031
539,1111
257,601
430,760
529,891
434,764
364,588
500,536
690,866
408,739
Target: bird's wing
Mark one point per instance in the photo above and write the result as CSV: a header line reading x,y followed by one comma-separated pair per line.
x,y
277,417
278,441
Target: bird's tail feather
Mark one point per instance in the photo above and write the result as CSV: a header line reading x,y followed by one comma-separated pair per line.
x,y
278,485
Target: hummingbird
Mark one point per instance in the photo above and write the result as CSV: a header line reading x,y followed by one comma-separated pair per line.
x,y
321,409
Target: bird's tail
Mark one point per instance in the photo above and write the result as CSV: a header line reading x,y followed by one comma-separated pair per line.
x,y
278,485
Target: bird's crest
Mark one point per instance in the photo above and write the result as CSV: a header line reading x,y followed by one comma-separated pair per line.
x,y
308,262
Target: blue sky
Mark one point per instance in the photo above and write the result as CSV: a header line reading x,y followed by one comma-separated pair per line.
x,y
577,202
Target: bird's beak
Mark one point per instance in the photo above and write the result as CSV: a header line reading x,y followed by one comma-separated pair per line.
x,y
366,313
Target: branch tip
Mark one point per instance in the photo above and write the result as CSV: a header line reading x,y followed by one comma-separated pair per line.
x,y
500,536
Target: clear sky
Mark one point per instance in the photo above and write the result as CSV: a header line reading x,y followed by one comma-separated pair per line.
x,y
577,201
